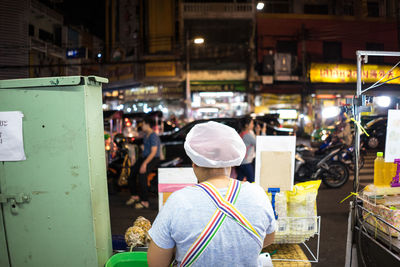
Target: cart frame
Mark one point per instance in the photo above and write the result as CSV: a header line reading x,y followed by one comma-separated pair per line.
x,y
358,107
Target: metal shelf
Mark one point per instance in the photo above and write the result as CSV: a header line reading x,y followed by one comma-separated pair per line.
x,y
299,230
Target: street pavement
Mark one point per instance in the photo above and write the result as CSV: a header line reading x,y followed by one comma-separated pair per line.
x,y
334,215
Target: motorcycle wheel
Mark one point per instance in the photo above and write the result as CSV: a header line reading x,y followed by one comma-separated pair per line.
x,y
373,142
303,174
336,175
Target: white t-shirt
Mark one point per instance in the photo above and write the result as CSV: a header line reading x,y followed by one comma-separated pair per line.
x,y
187,212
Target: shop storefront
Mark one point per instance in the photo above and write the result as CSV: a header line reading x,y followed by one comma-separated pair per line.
x,y
335,86
166,98
282,99
287,106
212,99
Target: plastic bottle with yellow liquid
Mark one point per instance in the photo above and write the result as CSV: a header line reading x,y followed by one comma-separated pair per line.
x,y
389,171
379,165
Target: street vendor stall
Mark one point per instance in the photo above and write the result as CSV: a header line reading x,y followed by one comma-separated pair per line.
x,y
297,226
374,219
295,205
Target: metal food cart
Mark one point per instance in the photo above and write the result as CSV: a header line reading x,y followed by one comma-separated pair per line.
x,y
366,244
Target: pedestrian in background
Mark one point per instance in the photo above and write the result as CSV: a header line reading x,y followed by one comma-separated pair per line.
x,y
258,130
343,129
246,169
143,166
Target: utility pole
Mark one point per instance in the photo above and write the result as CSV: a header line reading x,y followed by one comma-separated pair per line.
x,y
107,42
397,8
252,54
304,89
188,99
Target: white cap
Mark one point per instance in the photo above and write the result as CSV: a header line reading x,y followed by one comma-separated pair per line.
x,y
214,145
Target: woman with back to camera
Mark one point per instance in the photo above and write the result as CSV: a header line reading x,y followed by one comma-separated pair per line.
x,y
220,221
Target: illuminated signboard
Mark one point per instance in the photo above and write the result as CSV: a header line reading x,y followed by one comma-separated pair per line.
x,y
141,93
347,73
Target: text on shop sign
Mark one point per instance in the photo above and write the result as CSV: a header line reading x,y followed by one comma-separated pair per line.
x,y
347,73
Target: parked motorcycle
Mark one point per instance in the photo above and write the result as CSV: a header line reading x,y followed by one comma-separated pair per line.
x,y
119,164
346,155
310,166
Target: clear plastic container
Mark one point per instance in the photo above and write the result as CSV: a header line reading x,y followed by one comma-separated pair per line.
x,y
379,165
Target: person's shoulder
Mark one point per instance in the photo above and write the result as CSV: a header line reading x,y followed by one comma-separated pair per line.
x,y
246,133
182,194
251,186
249,136
153,135
257,196
253,189
182,200
186,190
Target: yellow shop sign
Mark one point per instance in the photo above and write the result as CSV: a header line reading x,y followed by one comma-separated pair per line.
x,y
347,73
160,69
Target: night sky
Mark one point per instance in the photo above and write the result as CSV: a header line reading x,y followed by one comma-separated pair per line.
x,y
89,13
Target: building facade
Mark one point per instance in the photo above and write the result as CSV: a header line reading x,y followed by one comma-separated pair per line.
x,y
171,70
306,48
35,42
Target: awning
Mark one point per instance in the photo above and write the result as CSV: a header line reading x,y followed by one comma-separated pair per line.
x,y
351,88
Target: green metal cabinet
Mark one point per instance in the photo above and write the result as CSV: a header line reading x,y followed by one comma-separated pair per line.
x,y
64,219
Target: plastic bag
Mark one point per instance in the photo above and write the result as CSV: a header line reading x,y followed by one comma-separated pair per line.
x,y
302,200
302,203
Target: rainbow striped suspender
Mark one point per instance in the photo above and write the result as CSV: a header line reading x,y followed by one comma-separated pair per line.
x,y
225,209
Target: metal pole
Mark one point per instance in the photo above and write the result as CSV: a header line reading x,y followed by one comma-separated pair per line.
x,y
352,216
357,118
188,98
304,74
377,53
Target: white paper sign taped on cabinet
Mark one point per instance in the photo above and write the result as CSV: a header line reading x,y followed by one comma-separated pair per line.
x,y
11,139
